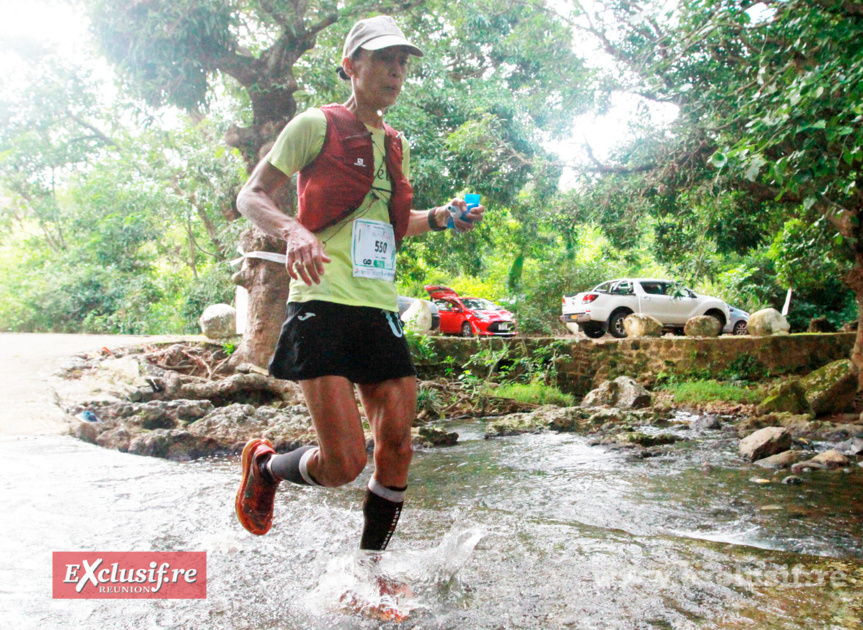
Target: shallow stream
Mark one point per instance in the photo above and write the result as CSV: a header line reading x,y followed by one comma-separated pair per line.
x,y
533,531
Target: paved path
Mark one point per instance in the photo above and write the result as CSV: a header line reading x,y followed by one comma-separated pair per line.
x,y
27,364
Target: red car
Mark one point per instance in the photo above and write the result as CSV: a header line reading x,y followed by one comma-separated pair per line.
x,y
468,316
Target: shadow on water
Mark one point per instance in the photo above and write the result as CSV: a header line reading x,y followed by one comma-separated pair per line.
x,y
532,531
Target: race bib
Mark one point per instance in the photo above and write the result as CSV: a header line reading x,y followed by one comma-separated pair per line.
x,y
373,250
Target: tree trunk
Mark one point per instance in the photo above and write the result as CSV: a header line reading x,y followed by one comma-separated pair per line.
x,y
854,279
268,286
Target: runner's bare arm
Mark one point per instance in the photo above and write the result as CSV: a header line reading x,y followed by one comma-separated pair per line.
x,y
305,254
419,221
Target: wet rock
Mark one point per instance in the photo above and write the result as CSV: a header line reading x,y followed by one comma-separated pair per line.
x,y
708,422
766,322
158,414
702,326
831,459
219,321
831,389
789,397
117,439
238,423
852,447
780,460
643,439
800,425
432,436
836,432
251,368
792,480
807,466
623,393
153,417
821,325
850,430
188,411
764,443
637,325
567,419
73,367
85,431
174,444
250,388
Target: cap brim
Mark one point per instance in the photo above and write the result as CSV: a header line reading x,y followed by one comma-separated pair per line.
x,y
386,41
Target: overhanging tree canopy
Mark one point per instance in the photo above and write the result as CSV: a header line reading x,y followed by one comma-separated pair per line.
x,y
771,111
495,75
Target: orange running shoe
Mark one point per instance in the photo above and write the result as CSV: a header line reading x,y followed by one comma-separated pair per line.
x,y
256,495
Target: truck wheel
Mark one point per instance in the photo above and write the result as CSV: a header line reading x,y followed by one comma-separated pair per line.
x,y
466,330
594,330
615,324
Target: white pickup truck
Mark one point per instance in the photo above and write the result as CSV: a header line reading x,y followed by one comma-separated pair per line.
x,y
604,308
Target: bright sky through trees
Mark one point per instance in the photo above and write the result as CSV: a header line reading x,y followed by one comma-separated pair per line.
x,y
38,25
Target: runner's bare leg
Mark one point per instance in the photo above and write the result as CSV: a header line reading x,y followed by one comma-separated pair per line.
x,y
342,446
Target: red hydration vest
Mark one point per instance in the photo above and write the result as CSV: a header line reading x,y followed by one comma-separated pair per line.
x,y
335,183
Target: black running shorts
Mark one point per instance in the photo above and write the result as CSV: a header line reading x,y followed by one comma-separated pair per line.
x,y
363,344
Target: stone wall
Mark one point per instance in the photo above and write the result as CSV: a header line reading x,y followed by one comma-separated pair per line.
x,y
583,364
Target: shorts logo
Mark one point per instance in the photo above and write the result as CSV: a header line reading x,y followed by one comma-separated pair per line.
x,y
305,316
393,321
360,162
130,575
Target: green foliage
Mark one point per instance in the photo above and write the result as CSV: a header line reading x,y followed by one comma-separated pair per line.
x,y
535,392
799,125
114,221
166,50
213,286
421,347
746,367
431,401
706,391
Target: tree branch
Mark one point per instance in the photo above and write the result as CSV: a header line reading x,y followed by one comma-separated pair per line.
x,y
615,170
96,132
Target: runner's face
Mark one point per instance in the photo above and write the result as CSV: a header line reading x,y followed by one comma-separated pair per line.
x,y
379,75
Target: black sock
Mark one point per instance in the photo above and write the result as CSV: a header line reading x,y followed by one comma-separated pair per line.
x,y
287,467
381,515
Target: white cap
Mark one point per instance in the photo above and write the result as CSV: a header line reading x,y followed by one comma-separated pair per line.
x,y
376,33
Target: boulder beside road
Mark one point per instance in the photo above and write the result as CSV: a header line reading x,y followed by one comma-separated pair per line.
x,y
767,321
702,326
637,325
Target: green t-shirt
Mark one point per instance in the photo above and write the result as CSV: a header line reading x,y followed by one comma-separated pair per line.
x,y
299,144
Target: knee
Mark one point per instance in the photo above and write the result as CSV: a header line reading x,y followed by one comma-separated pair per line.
x,y
345,467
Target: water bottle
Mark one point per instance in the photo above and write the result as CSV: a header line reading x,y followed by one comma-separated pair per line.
x,y
472,201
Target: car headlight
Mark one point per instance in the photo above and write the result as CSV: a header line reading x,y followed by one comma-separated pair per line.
x,y
481,316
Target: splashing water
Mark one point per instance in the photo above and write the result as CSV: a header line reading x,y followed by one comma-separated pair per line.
x,y
392,585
